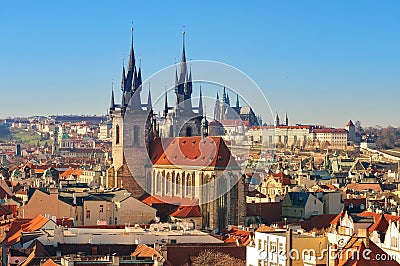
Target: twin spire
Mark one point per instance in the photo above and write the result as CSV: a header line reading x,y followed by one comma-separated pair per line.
x,y
131,85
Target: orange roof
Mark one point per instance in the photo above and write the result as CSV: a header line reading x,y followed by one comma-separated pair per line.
x,y
50,262
191,151
144,251
356,247
186,211
380,225
240,236
336,220
265,228
150,200
70,171
388,217
31,226
364,186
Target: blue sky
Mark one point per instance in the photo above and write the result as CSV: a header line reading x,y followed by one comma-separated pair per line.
x,y
322,62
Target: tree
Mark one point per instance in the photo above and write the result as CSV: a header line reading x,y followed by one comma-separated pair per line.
x,y
212,257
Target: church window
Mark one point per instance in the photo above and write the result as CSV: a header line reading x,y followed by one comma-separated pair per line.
x,y
136,134
117,135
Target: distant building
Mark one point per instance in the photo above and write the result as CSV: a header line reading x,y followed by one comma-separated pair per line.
x,y
301,205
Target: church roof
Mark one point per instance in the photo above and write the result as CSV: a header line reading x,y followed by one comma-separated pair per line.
x,y
192,151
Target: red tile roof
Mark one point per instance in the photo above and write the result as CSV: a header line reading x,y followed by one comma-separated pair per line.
x,y
330,130
31,226
192,151
356,246
336,220
186,211
150,200
144,251
364,186
50,262
380,225
318,222
376,216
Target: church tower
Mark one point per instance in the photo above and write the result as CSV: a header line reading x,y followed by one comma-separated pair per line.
x,y
132,128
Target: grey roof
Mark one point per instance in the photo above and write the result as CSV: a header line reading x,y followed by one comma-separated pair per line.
x,y
299,198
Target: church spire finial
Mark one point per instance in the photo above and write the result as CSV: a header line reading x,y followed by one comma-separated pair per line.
x,y
131,63
237,100
183,45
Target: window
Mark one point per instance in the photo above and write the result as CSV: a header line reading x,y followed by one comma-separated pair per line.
x,y
117,134
116,207
101,208
136,134
393,242
87,214
116,220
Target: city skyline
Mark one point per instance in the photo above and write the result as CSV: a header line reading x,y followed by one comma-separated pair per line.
x,y
62,58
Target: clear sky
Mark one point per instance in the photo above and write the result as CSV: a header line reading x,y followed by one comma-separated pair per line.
x,y
322,62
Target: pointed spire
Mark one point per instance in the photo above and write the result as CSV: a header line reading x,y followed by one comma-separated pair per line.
x,y
139,77
217,97
237,101
149,103
165,104
112,105
224,95
131,63
123,79
228,102
201,103
286,121
183,74
277,120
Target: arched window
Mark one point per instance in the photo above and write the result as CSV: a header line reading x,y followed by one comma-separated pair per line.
x,y
117,135
188,132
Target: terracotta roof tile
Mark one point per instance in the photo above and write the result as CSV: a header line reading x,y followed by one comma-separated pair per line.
x,y
144,251
186,211
191,151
